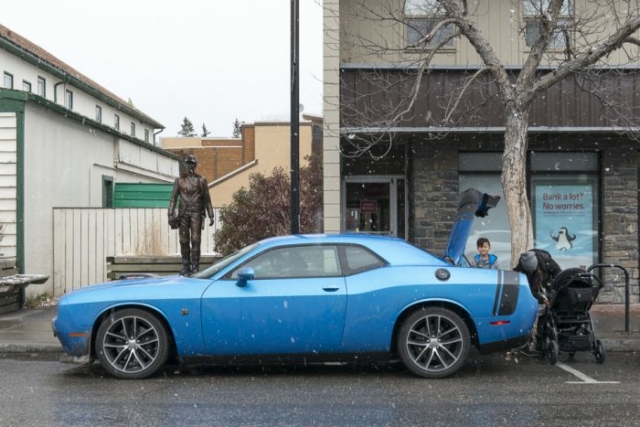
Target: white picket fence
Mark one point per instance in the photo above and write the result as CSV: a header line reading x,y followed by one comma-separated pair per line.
x,y
83,238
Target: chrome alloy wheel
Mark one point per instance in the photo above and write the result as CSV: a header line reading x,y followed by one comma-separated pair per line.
x,y
132,344
434,342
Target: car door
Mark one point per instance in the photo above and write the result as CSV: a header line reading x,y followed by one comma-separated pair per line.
x,y
295,303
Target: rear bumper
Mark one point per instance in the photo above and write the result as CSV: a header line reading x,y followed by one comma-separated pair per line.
x,y
504,345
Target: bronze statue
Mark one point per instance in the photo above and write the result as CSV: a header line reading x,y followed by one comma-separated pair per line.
x,y
193,193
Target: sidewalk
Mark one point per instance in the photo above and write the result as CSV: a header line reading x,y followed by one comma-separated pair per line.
x,y
29,330
609,326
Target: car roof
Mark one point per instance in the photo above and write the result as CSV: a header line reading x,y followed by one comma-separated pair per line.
x,y
395,250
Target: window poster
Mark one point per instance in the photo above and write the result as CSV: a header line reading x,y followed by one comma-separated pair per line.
x,y
564,218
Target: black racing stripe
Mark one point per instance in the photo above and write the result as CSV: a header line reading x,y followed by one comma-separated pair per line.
x,y
510,292
496,300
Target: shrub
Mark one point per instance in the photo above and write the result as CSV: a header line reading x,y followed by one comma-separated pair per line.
x,y
263,210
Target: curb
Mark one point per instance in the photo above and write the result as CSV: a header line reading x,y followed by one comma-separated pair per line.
x,y
614,345
30,348
621,345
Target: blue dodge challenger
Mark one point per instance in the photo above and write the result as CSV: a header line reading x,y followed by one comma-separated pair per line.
x,y
307,298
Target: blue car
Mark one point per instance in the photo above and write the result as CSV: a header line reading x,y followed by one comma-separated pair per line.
x,y
306,298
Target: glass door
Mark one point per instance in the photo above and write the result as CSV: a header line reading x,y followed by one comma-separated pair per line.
x,y
374,205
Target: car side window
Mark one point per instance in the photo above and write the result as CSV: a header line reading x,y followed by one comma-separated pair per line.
x,y
357,259
294,261
321,261
267,265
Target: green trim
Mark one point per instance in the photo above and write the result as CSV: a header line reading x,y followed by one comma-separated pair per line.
x,y
142,195
24,96
74,81
44,86
6,73
107,185
20,189
12,102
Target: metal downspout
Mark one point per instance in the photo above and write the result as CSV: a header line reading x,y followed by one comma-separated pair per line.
x,y
154,137
55,88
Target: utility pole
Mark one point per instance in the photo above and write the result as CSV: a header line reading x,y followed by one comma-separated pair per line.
x,y
295,119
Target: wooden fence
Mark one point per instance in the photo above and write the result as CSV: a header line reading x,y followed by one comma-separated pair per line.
x,y
83,239
119,267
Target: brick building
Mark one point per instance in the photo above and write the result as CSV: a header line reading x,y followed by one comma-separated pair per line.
x,y
227,163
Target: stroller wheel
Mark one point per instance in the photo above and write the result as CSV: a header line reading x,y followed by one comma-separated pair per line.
x,y
553,351
599,352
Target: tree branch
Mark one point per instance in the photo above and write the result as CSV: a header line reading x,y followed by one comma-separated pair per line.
x,y
583,60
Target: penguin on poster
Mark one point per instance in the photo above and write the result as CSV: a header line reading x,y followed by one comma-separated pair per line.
x,y
563,239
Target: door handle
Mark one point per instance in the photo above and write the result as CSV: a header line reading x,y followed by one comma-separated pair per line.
x,y
331,288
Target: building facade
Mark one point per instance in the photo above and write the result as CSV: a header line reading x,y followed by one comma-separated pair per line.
x,y
392,167
65,141
227,163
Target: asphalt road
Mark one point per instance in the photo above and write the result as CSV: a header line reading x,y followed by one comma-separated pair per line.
x,y
489,391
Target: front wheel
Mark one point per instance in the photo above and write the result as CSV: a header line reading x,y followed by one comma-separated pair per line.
x,y
433,342
132,344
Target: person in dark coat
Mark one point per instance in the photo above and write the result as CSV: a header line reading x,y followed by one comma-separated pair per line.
x,y
540,269
191,196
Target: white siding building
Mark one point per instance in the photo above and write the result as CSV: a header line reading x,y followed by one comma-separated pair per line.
x,y
65,141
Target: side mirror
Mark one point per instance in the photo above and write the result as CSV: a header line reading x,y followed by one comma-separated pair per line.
x,y
244,275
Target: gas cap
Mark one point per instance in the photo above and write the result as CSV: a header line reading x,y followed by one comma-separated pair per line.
x,y
442,274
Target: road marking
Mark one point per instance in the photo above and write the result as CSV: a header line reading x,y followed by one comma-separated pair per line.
x,y
585,378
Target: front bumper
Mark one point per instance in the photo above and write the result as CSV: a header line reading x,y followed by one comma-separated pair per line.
x,y
75,344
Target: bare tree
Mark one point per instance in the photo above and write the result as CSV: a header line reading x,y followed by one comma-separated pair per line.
x,y
589,40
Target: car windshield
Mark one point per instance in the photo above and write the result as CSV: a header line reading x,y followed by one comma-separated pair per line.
x,y
229,259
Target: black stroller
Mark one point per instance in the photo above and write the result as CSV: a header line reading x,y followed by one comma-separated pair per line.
x,y
566,325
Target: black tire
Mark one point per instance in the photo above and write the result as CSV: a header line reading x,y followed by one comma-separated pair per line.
x,y
433,342
599,353
132,344
553,351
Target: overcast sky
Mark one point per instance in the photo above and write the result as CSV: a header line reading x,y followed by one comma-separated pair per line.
x,y
211,61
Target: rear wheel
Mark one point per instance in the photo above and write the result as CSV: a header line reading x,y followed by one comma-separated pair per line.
x,y
599,352
132,344
434,342
553,351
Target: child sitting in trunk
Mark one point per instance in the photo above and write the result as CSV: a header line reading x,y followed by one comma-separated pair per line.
x,y
484,259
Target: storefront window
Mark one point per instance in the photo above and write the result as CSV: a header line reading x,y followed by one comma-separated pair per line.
x,y
564,200
565,206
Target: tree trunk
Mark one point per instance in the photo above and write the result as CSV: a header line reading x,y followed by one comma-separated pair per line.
x,y
514,181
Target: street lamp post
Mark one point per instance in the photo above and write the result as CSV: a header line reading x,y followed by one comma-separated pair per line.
x,y
295,119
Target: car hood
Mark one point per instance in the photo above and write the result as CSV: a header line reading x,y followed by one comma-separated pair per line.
x,y
156,281
473,203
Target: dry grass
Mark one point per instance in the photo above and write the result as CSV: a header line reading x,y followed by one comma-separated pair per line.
x,y
41,300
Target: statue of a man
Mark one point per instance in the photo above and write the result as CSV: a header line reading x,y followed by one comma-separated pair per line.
x,y
193,192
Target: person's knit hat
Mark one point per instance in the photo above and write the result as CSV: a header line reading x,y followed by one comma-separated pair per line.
x,y
529,261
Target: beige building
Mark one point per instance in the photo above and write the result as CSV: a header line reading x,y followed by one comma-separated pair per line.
x,y
227,163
